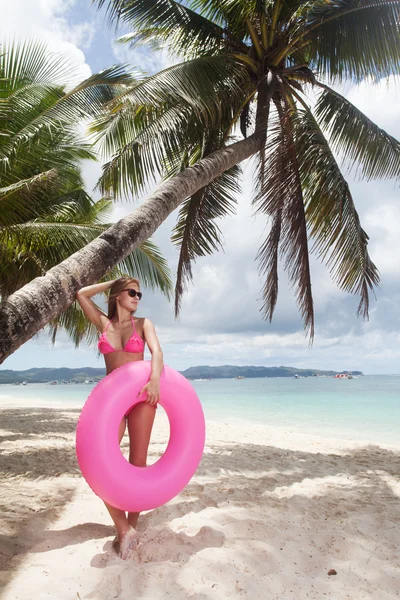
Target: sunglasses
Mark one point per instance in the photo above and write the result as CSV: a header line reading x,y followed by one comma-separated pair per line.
x,y
133,293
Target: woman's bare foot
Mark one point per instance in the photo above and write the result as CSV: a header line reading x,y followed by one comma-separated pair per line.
x,y
126,542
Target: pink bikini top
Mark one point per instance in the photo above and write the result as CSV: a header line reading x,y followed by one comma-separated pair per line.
x,y
134,344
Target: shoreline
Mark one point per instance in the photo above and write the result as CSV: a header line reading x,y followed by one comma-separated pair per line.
x,y
333,438
264,511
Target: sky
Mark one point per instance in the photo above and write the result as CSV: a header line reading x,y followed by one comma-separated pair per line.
x,y
220,322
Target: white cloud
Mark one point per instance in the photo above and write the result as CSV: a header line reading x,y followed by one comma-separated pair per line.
x,y
382,222
47,20
143,57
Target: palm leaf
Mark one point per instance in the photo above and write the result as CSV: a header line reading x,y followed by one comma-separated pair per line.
x,y
332,217
146,143
281,196
38,104
30,61
151,37
23,184
186,31
38,174
77,325
233,14
78,208
147,264
270,200
353,39
202,83
142,125
268,256
165,114
37,246
360,142
23,199
196,233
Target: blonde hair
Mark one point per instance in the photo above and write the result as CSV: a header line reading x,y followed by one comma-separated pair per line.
x,y
117,287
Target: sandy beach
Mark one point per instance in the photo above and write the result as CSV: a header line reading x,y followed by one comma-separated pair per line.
x,y
268,514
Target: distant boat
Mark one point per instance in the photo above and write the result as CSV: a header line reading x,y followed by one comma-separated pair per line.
x,y
24,383
240,377
87,381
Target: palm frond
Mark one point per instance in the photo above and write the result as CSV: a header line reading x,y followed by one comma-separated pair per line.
x,y
268,255
79,328
38,246
30,61
331,215
104,81
22,200
144,142
352,38
27,184
157,119
196,234
129,123
270,180
34,247
184,30
152,37
40,173
232,13
201,83
36,107
147,264
78,208
281,196
362,144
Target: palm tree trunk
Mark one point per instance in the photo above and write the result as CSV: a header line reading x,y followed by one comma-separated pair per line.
x,y
28,310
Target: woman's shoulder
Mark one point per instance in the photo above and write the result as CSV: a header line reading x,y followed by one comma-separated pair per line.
x,y
144,323
140,322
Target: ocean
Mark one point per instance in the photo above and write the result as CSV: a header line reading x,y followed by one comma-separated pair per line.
x,y
363,409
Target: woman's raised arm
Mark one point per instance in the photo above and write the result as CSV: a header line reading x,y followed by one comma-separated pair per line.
x,y
94,314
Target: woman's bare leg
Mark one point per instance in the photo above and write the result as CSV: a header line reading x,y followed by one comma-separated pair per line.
x,y
126,536
140,424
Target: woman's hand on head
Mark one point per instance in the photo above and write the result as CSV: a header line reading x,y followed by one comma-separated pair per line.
x,y
152,389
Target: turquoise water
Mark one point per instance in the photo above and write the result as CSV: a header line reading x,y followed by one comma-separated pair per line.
x,y
367,408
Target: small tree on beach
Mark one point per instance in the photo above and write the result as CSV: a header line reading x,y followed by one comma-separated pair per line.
x,y
45,214
247,63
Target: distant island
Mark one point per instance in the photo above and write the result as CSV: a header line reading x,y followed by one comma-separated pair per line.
x,y
84,374
231,371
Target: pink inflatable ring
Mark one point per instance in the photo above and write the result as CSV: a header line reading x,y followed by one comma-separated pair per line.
x,y
102,463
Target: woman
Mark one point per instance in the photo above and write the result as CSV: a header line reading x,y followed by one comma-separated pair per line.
x,y
121,341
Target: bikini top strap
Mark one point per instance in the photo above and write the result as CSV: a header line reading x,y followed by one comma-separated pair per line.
x,y
109,323
133,325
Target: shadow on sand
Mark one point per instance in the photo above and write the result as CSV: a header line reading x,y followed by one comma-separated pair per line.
x,y
241,475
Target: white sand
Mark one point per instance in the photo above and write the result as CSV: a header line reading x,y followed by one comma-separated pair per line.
x,y
267,515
